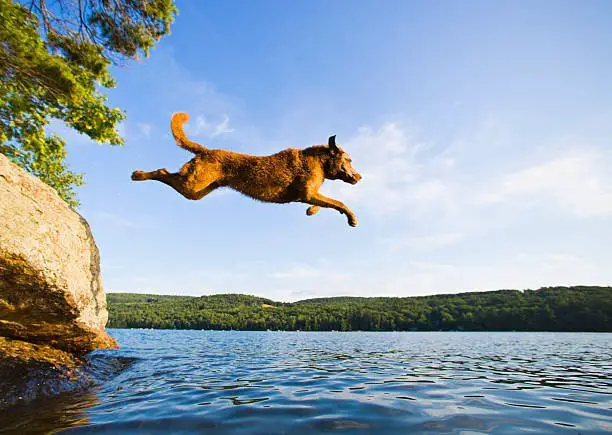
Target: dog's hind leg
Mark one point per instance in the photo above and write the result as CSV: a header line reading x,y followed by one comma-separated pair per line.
x,y
205,191
177,181
153,175
322,201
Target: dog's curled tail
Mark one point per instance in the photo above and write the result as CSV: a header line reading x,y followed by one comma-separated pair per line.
x,y
178,119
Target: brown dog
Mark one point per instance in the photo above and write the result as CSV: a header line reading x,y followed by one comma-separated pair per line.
x,y
291,175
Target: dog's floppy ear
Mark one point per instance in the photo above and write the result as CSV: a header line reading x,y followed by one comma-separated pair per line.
x,y
331,143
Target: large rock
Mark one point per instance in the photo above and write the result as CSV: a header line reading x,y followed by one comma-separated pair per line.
x,y
32,370
51,293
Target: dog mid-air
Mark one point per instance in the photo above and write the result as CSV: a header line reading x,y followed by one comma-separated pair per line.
x,y
291,175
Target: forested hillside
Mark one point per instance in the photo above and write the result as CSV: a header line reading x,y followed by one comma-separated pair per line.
x,y
546,309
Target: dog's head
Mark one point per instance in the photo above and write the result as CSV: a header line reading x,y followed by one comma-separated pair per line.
x,y
339,164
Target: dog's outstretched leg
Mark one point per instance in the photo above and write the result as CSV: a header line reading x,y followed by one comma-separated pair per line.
x,y
312,210
176,181
205,191
153,175
322,201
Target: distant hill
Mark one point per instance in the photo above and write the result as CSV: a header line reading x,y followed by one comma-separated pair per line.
x,y
547,309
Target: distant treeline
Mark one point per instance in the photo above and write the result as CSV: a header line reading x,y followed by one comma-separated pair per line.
x,y
546,309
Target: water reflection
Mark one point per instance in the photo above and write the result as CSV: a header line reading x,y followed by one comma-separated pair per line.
x,y
67,409
42,416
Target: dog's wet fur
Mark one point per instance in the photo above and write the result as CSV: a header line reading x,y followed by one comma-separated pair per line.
x,y
291,175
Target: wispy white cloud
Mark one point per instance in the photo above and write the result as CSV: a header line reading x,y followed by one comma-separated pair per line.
x,y
497,271
297,271
145,128
404,175
222,127
429,242
118,220
396,170
113,219
205,127
300,271
578,182
308,280
193,282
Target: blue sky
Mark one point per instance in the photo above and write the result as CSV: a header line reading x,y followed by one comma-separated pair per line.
x,y
482,130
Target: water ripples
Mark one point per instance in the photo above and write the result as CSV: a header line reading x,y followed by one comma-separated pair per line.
x,y
277,382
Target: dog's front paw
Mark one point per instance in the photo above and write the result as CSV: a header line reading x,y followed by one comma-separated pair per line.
x,y
312,210
138,175
352,221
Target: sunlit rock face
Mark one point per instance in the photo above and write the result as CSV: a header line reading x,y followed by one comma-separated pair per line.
x,y
51,294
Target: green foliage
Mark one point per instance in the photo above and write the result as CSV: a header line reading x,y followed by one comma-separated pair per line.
x,y
546,309
54,61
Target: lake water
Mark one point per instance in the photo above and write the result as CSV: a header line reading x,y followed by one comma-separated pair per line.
x,y
218,382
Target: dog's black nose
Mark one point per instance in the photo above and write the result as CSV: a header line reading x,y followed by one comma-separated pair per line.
x,y
355,179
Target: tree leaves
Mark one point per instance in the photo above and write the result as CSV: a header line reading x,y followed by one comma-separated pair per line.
x,y
54,60
546,309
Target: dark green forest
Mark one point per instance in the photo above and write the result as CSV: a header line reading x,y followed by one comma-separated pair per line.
x,y
546,309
